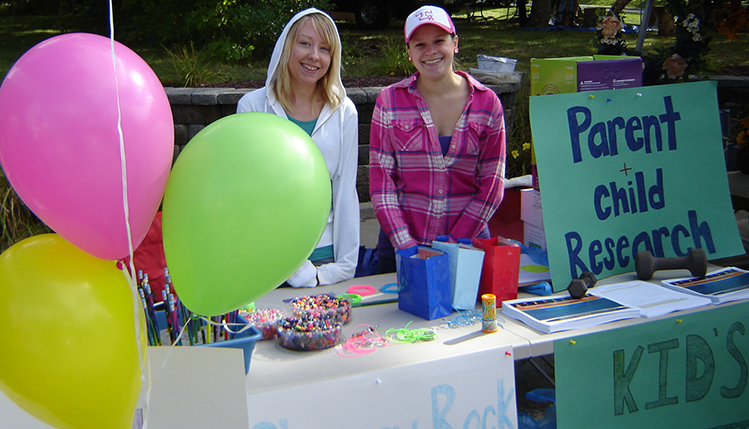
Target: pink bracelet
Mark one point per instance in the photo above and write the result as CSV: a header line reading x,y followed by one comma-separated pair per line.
x,y
362,290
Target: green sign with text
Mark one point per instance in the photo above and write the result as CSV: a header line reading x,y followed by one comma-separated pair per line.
x,y
631,169
682,372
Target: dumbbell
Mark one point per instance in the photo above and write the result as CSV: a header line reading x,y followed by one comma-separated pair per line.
x,y
579,287
695,261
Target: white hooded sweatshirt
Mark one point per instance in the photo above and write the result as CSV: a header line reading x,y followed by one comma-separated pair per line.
x,y
336,134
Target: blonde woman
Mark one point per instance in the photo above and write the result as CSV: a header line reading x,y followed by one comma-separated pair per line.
x,y
304,85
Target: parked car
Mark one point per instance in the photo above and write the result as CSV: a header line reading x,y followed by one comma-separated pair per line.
x,y
377,14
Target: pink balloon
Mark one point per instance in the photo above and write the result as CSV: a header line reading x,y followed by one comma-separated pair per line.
x,y
60,146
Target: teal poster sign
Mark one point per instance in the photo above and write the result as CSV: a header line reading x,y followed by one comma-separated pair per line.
x,y
688,371
631,169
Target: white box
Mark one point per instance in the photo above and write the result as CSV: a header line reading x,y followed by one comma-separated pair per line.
x,y
533,236
497,64
495,78
530,208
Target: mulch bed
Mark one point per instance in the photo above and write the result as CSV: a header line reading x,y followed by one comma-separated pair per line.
x,y
348,82
381,81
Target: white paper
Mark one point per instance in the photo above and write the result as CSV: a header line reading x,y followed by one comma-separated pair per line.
x,y
651,299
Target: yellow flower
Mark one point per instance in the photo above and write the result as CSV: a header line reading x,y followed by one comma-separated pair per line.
x,y
515,154
526,146
742,138
745,123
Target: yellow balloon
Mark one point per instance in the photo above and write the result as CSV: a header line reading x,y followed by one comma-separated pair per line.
x,y
67,335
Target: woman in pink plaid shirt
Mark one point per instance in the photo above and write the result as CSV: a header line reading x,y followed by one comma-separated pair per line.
x,y
437,146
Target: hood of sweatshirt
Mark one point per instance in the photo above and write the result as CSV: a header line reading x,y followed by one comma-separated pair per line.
x,y
276,56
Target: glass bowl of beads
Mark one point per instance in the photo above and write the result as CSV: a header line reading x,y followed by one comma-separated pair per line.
x,y
326,305
308,332
264,317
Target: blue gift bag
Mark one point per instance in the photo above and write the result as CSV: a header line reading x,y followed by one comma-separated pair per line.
x,y
424,282
465,272
368,262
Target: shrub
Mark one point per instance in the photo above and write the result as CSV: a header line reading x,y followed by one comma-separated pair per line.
x,y
192,66
393,59
229,30
16,220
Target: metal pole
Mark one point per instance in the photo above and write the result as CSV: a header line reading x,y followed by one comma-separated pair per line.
x,y
644,26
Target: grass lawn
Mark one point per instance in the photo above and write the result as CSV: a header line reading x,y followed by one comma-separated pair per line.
x,y
371,53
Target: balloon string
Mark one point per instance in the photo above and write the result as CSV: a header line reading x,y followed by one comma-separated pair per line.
x,y
123,158
223,323
126,209
177,340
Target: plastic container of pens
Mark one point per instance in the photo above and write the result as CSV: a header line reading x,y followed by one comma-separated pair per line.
x,y
308,332
265,318
324,306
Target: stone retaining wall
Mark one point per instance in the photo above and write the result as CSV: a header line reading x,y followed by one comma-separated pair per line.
x,y
194,108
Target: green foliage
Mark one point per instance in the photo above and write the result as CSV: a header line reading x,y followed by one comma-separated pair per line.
x,y
16,220
393,59
192,66
519,152
229,30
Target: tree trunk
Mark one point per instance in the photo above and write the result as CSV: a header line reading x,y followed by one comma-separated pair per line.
x,y
619,6
522,14
540,14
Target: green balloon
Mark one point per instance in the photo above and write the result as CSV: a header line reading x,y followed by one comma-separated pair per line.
x,y
245,205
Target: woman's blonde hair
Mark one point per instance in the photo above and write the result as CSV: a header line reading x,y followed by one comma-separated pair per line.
x,y
329,86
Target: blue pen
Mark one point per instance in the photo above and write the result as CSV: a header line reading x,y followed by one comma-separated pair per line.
x,y
167,314
149,299
149,322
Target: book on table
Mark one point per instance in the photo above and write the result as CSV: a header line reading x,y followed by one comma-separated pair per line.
x,y
651,299
723,285
562,313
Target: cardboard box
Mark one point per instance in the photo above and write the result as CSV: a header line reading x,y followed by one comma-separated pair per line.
x,y
578,74
604,74
591,73
555,75
534,236
530,208
497,64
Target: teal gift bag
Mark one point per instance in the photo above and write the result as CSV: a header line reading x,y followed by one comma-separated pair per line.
x,y
423,282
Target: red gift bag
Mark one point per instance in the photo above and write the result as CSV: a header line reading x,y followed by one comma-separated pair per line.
x,y
499,274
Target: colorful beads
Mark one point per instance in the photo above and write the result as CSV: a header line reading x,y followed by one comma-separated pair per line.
x,y
308,332
464,318
326,305
264,319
